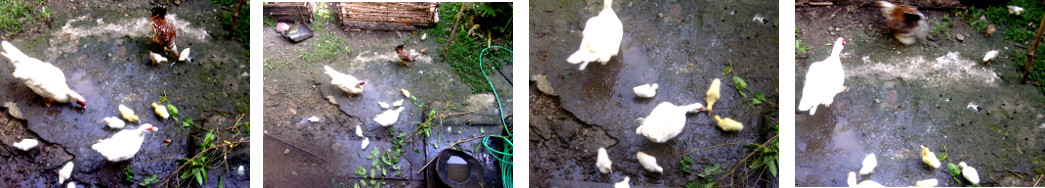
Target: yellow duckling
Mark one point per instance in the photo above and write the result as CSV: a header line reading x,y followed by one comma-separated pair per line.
x,y
713,94
930,158
728,124
161,111
128,113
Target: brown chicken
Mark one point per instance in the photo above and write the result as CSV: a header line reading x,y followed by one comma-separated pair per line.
x,y
163,31
906,22
405,55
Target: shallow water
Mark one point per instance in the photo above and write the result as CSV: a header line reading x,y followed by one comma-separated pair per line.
x,y
935,93
682,46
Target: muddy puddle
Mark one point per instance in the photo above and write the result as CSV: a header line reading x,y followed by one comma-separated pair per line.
x,y
327,153
680,45
935,93
109,67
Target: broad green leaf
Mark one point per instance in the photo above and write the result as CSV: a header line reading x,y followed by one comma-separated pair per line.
x,y
772,167
727,70
942,156
172,110
755,101
739,83
199,177
163,99
955,171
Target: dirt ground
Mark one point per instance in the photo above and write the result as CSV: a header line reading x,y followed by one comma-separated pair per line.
x,y
327,153
102,48
936,93
680,45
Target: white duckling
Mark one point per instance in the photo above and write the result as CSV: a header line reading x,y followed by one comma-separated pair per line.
x,y
388,117
383,105
602,36
26,144
645,90
184,55
866,183
989,57
868,165
824,80
603,162
366,142
927,183
713,93
114,122
1015,10
359,131
969,173
157,58
666,121
623,183
65,172
728,124
649,162
929,158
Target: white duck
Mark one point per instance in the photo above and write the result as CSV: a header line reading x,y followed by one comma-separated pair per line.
x,y
347,83
43,78
603,162
666,121
66,172
623,183
969,173
388,117
124,144
868,165
823,81
26,144
645,90
649,162
602,36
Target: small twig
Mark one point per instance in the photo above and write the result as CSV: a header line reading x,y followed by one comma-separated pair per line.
x,y
745,111
451,146
715,146
1021,46
1039,180
453,31
826,3
732,170
292,145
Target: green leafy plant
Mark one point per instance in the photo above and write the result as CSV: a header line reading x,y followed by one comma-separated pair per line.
x,y
685,164
148,181
955,172
197,169
707,174
766,155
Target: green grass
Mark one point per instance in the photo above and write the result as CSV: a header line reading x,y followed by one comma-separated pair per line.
x,y
242,31
1016,30
326,47
16,14
464,53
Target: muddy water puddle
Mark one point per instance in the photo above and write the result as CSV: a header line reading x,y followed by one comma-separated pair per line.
x,y
934,93
682,46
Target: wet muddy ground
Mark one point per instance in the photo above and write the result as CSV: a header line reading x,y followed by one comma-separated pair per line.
x,y
102,49
935,93
682,46
327,153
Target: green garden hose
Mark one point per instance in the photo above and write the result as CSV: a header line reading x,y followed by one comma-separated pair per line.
x,y
504,157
